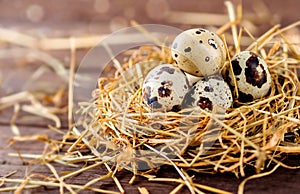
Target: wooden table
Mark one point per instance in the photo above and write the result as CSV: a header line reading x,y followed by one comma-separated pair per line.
x,y
64,19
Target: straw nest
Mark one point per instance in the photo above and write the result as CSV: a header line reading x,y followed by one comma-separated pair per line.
x,y
120,129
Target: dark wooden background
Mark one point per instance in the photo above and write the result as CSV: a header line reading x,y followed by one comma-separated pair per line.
x,y
58,18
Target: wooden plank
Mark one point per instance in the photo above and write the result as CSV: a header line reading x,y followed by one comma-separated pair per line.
x,y
9,164
86,19
281,181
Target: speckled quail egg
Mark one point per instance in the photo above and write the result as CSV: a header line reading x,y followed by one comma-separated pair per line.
x,y
198,52
252,76
164,88
209,92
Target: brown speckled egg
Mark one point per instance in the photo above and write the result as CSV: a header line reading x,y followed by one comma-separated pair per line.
x,y
198,52
164,88
207,93
252,76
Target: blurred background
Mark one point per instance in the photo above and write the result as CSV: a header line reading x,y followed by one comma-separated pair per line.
x,y
77,17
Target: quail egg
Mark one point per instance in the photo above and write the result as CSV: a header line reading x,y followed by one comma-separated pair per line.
x,y
209,92
252,76
198,52
164,88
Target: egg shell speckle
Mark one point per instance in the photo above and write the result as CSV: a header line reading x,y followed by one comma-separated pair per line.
x,y
198,52
252,76
164,88
209,92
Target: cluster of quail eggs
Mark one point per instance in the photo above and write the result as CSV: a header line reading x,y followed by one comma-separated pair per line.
x,y
195,79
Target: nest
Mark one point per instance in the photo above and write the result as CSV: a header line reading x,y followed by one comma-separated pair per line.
x,y
120,129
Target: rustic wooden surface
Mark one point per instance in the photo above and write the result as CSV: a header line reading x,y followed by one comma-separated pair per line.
x,y
82,18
